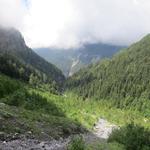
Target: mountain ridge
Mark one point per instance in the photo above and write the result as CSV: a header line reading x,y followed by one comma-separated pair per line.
x,y
12,43
85,55
124,79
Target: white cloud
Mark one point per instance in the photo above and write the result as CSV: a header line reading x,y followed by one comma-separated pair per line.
x,y
46,20
12,13
71,23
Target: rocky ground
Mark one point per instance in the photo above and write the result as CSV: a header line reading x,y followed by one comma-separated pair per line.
x,y
103,129
100,132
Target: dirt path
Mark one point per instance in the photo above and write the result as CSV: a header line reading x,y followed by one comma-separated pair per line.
x,y
103,129
101,132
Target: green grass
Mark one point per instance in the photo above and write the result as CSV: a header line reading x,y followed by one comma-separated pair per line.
x,y
105,146
38,113
49,115
88,112
78,143
8,85
23,112
132,137
41,125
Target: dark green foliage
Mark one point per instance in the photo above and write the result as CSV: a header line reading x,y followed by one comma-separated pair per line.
x,y
133,137
14,68
52,88
124,79
8,86
77,143
13,92
24,110
31,101
19,61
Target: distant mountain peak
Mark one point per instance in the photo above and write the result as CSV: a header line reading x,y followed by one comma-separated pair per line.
x,y
89,53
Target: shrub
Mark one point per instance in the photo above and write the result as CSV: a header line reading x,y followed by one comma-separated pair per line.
x,y
133,137
32,101
16,99
77,144
8,86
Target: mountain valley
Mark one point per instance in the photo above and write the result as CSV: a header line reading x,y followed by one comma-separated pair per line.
x,y
72,60
39,106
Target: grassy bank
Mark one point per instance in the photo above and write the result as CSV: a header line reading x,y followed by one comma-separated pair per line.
x,y
37,113
27,113
88,112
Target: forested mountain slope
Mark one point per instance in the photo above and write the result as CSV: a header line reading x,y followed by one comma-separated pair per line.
x,y
125,79
14,54
38,115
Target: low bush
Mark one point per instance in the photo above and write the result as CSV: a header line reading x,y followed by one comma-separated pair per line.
x,y
77,143
133,137
8,86
32,101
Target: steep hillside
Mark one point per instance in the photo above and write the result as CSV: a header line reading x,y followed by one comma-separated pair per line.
x,y
72,60
30,118
24,112
13,47
35,118
124,79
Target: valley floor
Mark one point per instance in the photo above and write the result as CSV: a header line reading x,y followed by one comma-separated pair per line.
x,y
52,122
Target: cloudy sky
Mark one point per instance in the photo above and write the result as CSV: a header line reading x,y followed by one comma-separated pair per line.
x,y
71,23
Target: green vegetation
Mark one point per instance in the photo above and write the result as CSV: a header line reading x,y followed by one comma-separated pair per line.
x,y
24,111
77,143
37,113
16,122
105,146
119,88
8,86
132,137
14,68
129,137
20,62
123,80
46,114
115,89
31,101
88,112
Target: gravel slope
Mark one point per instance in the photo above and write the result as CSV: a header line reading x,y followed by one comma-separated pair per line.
x,y
101,132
